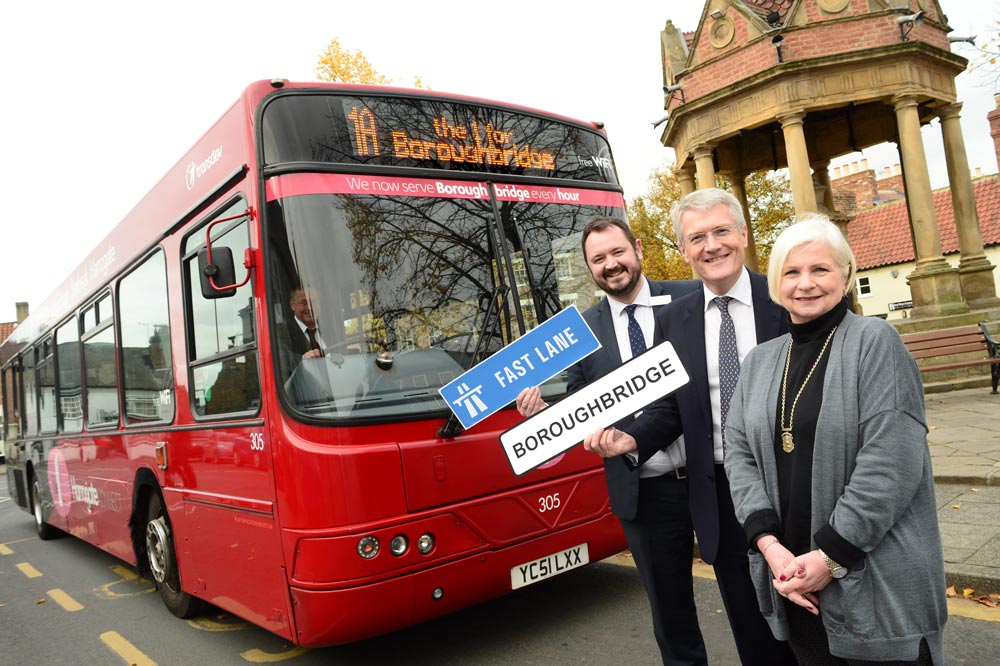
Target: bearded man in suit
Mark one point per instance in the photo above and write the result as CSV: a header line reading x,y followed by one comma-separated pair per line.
x,y
651,501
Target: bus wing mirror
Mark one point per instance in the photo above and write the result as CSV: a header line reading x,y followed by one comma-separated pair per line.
x,y
217,272
215,264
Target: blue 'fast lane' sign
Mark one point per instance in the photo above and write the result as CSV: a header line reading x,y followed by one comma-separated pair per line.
x,y
539,355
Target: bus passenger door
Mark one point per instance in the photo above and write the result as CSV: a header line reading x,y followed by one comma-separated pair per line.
x,y
226,523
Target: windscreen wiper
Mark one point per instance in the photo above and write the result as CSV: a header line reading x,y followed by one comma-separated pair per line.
x,y
491,324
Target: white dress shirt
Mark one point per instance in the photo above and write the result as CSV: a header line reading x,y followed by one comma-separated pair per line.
x,y
674,455
741,310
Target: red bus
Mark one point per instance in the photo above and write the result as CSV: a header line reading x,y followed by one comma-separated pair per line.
x,y
168,405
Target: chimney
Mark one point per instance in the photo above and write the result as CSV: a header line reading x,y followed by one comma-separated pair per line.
x,y
994,119
22,311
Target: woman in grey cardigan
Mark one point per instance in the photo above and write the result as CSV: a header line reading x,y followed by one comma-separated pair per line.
x,y
827,458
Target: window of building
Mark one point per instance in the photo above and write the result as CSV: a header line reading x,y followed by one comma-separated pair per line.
x,y
224,376
144,321
864,287
564,265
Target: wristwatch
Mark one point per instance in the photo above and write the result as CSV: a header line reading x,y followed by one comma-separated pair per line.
x,y
836,570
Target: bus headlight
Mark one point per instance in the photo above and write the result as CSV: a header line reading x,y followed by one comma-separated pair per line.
x,y
425,543
399,544
368,547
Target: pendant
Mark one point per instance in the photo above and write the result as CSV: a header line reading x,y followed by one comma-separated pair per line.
x,y
787,443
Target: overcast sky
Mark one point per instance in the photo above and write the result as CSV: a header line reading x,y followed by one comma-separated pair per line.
x,y
102,98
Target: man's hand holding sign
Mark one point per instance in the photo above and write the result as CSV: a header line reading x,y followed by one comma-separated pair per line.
x,y
584,415
532,359
541,354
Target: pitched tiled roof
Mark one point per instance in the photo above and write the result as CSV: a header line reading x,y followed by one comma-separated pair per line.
x,y
765,7
881,236
6,329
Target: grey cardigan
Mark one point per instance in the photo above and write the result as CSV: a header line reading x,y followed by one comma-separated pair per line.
x,y
871,482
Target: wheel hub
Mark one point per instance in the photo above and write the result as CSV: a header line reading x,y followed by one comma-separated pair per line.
x,y
157,548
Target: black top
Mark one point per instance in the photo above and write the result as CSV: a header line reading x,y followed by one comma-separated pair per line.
x,y
794,469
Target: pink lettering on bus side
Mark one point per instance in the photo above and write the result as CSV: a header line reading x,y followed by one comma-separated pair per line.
x,y
59,482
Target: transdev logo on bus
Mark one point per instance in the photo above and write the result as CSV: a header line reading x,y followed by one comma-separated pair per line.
x,y
196,171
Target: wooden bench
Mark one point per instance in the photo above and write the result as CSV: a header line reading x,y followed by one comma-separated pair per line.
x,y
953,342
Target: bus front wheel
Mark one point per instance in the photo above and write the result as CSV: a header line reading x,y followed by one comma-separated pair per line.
x,y
44,530
162,561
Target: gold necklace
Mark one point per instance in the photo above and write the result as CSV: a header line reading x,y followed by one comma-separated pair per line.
x,y
787,441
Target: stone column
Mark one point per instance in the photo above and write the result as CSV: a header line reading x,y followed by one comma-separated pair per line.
x,y
803,194
824,198
737,181
705,165
934,284
685,179
822,185
975,272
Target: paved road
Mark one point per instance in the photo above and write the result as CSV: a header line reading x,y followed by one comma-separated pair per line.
x,y
66,602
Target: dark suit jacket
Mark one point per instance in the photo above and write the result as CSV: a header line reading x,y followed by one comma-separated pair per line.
x,y
688,411
297,340
623,482
292,343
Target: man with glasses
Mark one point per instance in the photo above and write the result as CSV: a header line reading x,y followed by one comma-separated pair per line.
x,y
712,330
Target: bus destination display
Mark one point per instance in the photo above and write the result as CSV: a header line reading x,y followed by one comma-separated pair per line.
x,y
430,133
452,143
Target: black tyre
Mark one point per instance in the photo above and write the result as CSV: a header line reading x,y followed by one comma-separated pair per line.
x,y
44,530
162,561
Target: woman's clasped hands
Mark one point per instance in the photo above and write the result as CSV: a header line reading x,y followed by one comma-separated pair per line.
x,y
798,579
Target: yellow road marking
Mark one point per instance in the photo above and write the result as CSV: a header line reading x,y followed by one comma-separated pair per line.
x,y
67,602
205,624
130,653
29,571
702,570
970,609
125,575
956,607
4,550
257,656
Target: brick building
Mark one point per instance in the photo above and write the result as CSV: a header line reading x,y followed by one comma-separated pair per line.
x,y
881,239
772,84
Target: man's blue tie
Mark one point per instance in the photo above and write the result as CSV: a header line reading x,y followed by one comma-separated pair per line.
x,y
635,338
729,360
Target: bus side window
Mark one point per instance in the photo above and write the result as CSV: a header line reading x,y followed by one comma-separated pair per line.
x,y
11,402
30,404
68,360
100,375
222,331
46,386
144,321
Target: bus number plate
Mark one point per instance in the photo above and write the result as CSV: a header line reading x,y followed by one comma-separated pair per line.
x,y
548,566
